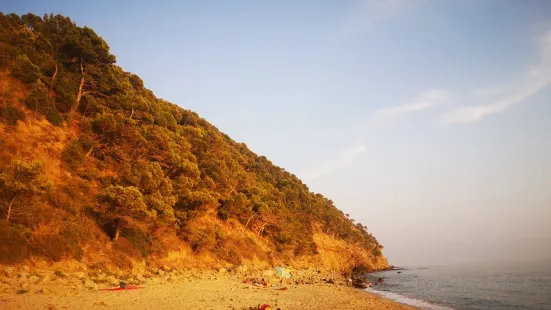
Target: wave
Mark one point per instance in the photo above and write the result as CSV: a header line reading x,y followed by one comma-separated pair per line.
x,y
422,304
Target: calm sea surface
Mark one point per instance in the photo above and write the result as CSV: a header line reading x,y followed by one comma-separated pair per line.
x,y
480,287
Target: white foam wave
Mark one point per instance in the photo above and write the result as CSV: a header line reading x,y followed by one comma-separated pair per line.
x,y
421,304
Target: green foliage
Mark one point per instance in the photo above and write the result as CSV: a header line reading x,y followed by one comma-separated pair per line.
x,y
66,91
155,188
202,239
237,206
74,154
11,114
166,165
19,181
84,44
39,100
141,240
136,81
124,203
76,151
25,70
52,115
13,244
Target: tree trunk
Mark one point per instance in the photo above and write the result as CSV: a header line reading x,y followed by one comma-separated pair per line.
x,y
249,220
117,230
79,95
233,189
53,77
8,216
261,230
90,151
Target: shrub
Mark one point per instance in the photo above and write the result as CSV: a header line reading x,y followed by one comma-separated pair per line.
x,y
38,97
140,240
52,116
74,234
39,100
73,154
13,244
75,151
51,246
25,70
11,114
201,239
223,213
20,182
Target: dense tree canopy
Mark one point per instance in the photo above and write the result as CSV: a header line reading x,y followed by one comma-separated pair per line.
x,y
169,166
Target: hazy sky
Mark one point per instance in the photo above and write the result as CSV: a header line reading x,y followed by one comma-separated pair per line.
x,y
428,121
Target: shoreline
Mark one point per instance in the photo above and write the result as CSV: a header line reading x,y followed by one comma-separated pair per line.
x,y
184,290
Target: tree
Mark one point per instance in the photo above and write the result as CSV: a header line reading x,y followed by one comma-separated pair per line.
x,y
155,188
88,50
19,182
55,30
152,159
39,100
123,205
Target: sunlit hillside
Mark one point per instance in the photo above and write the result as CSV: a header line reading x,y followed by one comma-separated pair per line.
x,y
95,169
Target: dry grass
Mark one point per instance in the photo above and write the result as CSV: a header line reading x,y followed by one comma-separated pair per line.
x,y
11,90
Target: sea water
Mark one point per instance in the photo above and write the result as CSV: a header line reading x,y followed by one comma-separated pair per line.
x,y
466,287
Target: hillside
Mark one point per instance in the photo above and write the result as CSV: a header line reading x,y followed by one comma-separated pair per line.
x,y
95,170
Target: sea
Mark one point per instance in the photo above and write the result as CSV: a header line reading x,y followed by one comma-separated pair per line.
x,y
469,287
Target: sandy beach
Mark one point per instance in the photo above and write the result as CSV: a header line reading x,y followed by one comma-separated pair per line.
x,y
217,292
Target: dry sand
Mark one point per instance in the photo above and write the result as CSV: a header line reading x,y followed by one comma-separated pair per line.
x,y
220,293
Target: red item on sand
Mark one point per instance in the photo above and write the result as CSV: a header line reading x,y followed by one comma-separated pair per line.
x,y
283,288
265,306
130,287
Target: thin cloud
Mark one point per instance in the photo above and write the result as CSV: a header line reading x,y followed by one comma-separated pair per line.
x,y
491,92
331,164
425,100
364,15
535,80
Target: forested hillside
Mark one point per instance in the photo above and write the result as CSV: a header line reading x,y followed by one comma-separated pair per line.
x,y
95,168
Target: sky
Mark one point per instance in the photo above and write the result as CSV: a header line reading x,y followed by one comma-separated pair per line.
x,y
428,121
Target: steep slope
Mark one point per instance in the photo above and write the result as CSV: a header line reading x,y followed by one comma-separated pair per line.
x,y
119,177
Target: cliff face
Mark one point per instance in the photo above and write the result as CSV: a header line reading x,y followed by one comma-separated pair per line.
x,y
121,178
